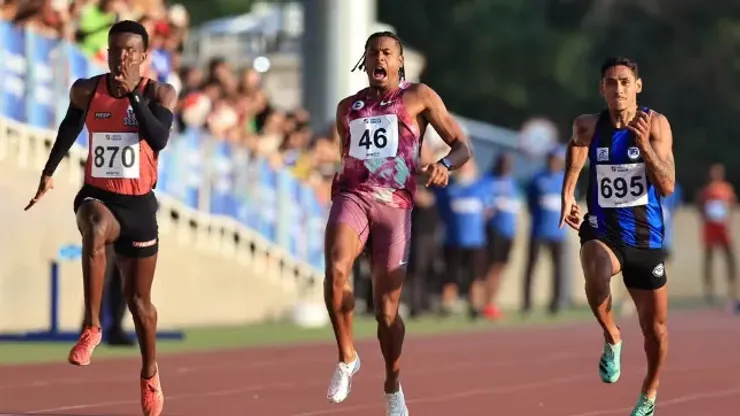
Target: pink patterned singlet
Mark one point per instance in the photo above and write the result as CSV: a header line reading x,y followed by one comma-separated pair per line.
x,y
381,152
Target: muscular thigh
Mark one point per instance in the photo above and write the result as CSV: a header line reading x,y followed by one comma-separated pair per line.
x,y
390,230
347,230
644,269
92,211
600,259
139,229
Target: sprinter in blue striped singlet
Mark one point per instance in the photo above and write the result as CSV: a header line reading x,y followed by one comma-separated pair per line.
x,y
630,150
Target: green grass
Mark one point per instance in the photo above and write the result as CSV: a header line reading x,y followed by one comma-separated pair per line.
x,y
282,333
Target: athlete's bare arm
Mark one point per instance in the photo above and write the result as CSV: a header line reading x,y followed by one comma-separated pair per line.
x,y
658,154
341,124
435,112
575,158
577,151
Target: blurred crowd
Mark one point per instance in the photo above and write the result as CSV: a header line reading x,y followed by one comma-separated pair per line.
x,y
227,103
232,105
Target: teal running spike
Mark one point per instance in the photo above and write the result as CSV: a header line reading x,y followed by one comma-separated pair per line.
x,y
645,406
610,364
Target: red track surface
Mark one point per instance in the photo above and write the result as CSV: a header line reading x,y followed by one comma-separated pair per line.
x,y
544,371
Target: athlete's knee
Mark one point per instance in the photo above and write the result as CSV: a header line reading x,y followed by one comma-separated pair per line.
x,y
141,305
597,265
94,239
338,294
386,311
93,228
338,271
655,331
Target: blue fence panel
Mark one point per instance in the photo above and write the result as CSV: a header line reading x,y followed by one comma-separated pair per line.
x,y
42,53
267,200
222,180
14,72
290,227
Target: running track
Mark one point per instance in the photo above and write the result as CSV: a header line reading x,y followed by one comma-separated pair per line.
x,y
522,372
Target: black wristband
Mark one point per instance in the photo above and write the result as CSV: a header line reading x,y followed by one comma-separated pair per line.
x,y
446,163
135,97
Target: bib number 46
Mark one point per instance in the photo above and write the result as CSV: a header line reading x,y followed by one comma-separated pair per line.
x,y
619,187
378,139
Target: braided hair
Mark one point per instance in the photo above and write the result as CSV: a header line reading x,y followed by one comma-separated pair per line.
x,y
360,65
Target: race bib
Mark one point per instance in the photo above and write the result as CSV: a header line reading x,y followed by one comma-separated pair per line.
x,y
622,186
716,210
374,137
115,155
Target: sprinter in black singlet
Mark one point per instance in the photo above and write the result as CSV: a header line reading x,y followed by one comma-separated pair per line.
x,y
129,120
630,150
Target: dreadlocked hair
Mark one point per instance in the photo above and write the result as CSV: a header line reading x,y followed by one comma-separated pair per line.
x,y
360,65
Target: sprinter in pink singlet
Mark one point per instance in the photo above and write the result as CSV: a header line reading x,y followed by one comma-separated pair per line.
x,y
381,129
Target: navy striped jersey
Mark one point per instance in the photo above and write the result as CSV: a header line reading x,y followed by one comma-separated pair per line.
x,y
622,203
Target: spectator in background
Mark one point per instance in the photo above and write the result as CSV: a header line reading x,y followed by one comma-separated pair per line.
x,y
544,201
8,9
95,20
220,72
160,51
44,17
716,202
500,228
462,207
424,245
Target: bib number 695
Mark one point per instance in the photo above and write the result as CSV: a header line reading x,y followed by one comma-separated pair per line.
x,y
619,187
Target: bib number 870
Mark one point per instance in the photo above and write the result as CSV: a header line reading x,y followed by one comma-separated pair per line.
x,y
378,140
128,156
619,187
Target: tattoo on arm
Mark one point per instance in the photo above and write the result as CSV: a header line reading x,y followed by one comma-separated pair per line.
x,y
575,155
576,164
658,157
661,171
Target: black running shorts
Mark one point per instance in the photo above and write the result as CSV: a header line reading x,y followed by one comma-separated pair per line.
x,y
137,216
642,268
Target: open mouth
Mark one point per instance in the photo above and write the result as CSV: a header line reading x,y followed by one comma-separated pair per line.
x,y
379,73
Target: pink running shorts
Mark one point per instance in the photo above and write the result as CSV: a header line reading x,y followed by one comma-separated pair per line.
x,y
387,228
